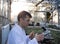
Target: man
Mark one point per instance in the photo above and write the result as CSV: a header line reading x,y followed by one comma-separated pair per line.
x,y
18,36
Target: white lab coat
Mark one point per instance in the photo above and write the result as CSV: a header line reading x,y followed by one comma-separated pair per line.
x,y
18,36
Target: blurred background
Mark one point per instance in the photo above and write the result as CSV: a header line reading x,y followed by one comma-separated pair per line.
x,y
45,13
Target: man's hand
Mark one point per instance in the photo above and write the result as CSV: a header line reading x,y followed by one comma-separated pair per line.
x,y
39,37
31,35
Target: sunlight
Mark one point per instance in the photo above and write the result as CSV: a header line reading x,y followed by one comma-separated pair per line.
x,y
20,5
55,18
16,7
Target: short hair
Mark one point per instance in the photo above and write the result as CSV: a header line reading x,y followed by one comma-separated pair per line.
x,y
23,14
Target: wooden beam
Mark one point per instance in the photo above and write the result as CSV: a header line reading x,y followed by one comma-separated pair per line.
x,y
39,3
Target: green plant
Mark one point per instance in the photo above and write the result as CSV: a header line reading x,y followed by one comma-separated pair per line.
x,y
55,34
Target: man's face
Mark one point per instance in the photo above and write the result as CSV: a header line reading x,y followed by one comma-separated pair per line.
x,y
25,21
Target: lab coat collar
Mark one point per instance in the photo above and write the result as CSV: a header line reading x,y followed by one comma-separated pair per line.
x,y
19,27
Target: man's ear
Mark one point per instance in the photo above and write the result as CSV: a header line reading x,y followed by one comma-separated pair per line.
x,y
20,19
